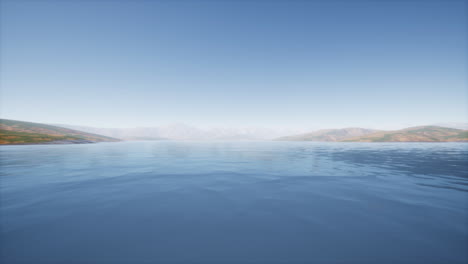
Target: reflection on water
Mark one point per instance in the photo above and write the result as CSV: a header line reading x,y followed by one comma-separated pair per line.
x,y
234,202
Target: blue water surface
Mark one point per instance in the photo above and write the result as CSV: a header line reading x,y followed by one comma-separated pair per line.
x,y
234,202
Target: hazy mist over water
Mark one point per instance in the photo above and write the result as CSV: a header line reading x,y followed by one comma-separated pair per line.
x,y
234,202
208,81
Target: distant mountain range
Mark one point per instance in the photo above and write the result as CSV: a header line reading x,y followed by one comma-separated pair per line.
x,y
415,134
186,132
412,134
19,132
330,134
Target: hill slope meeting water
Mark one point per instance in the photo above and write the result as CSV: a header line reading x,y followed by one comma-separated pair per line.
x,y
411,134
14,132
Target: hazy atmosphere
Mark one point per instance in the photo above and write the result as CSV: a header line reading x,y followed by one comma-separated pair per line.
x,y
279,64
233,132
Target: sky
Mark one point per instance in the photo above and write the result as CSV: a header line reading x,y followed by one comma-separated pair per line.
x,y
281,64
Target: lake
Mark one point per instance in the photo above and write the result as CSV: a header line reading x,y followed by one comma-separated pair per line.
x,y
234,202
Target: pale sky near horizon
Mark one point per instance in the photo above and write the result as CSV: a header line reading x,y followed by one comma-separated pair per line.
x,y
289,64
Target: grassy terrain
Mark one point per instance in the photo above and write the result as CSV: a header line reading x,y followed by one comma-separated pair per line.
x,y
19,132
13,137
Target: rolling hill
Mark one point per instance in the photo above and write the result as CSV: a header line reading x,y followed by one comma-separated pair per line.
x,y
415,134
330,134
20,132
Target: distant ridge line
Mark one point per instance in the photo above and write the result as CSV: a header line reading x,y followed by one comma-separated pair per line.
x,y
410,134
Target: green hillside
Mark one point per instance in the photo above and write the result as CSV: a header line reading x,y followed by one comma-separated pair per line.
x,y
19,132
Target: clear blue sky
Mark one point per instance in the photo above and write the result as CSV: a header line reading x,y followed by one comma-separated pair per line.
x,y
298,64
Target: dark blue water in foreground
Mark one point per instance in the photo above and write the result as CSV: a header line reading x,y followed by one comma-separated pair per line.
x,y
234,202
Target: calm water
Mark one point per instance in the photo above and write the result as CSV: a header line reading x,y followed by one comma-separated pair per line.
x,y
234,202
